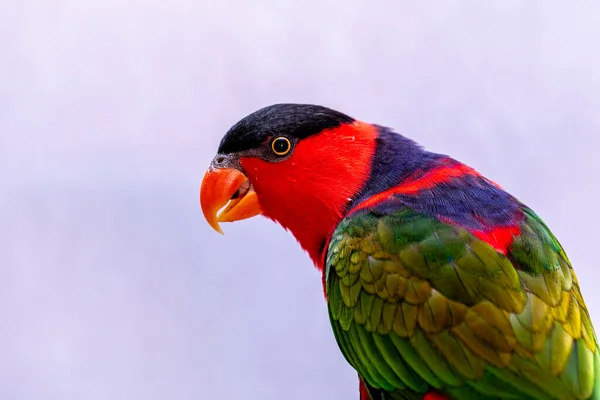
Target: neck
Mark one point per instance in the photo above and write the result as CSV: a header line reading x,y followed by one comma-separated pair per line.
x,y
328,174
396,160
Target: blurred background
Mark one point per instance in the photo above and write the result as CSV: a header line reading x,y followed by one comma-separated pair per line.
x,y
112,286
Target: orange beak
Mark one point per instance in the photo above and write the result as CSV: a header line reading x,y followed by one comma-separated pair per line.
x,y
230,187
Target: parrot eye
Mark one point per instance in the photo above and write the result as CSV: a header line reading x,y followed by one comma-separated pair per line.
x,y
281,146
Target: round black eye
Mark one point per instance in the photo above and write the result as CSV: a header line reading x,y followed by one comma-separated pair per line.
x,y
281,146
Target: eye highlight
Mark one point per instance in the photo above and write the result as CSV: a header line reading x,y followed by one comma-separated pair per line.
x,y
281,146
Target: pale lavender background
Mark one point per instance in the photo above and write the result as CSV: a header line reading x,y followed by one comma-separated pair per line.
x,y
112,286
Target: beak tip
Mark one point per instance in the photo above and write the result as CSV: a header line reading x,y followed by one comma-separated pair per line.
x,y
215,225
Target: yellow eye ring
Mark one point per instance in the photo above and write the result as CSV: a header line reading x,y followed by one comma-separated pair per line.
x,y
281,146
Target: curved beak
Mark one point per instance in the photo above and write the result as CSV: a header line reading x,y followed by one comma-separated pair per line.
x,y
227,187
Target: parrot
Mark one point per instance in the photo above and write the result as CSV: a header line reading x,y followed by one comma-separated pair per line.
x,y
439,284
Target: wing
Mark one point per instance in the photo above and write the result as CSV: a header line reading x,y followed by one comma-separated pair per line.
x,y
418,304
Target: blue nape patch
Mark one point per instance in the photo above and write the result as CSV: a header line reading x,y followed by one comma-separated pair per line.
x,y
469,201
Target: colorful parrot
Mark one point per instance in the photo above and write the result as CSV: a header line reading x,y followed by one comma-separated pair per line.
x,y
439,284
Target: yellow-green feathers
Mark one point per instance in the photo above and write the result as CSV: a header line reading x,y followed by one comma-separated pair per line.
x,y
416,304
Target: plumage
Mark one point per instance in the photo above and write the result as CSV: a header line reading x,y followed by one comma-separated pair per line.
x,y
453,313
439,284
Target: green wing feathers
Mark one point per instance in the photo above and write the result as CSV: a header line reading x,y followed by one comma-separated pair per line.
x,y
417,304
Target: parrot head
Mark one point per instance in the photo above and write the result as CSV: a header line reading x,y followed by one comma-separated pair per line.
x,y
300,165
